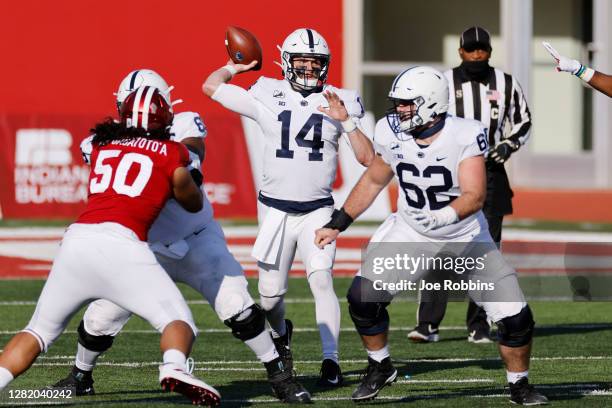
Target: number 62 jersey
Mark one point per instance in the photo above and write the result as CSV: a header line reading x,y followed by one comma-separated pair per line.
x,y
428,176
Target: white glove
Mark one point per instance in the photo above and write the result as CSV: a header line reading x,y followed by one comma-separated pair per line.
x,y
431,220
564,64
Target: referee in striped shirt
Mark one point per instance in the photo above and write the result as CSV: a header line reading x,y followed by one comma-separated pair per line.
x,y
493,97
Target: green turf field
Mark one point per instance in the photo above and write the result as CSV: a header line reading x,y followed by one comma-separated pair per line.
x,y
572,357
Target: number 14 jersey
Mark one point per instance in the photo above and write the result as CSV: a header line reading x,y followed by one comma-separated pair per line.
x,y
301,143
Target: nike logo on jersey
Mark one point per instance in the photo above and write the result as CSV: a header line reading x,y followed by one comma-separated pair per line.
x,y
278,94
440,158
395,146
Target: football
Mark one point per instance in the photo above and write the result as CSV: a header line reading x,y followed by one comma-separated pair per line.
x,y
243,47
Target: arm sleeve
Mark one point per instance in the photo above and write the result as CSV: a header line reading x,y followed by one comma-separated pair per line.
x,y
186,125
476,144
519,115
355,108
182,158
238,100
86,149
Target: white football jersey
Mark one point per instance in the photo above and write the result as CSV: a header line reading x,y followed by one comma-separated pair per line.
x,y
428,176
174,222
301,143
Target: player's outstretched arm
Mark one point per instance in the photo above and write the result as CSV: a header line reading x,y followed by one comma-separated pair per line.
x,y
186,192
371,183
362,146
596,79
473,186
602,82
224,75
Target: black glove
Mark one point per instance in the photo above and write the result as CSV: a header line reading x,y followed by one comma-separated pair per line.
x,y
502,151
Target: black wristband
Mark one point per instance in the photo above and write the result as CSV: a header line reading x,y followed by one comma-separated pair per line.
x,y
197,176
340,220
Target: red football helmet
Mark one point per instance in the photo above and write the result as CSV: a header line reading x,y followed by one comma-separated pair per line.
x,y
146,108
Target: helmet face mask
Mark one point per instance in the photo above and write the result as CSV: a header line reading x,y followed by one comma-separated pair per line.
x,y
306,44
419,96
146,108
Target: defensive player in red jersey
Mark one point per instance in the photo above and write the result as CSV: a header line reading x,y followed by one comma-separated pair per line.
x,y
104,255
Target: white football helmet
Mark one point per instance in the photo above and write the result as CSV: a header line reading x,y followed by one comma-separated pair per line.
x,y
424,86
304,42
143,77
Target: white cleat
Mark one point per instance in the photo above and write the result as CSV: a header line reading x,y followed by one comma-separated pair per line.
x,y
175,378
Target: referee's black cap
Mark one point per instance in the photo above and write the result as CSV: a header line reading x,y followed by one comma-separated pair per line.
x,y
475,38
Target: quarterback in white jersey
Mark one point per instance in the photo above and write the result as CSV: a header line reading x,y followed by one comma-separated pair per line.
x,y
302,119
191,247
438,161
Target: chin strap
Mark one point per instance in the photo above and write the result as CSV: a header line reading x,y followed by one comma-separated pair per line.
x,y
424,133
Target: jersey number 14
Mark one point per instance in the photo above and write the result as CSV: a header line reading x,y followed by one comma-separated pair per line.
x,y
315,122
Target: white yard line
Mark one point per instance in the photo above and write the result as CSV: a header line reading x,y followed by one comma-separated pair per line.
x,y
351,329
45,362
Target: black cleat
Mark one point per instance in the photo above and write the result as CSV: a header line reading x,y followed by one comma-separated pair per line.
x,y
283,345
523,393
424,334
480,337
79,380
284,384
331,376
376,377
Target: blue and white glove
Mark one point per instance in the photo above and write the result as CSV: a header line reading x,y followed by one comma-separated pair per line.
x,y
195,168
432,220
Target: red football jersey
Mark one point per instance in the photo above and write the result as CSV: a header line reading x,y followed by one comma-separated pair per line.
x,y
130,181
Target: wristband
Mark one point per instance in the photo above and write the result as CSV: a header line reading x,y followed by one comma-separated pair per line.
x,y
340,220
233,71
585,73
348,125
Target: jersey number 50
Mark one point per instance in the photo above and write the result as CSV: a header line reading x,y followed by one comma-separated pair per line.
x,y
105,172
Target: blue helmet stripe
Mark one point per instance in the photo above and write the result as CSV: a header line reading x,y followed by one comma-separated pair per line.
x,y
310,38
133,79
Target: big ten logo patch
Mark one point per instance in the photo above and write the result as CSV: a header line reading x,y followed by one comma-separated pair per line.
x,y
44,168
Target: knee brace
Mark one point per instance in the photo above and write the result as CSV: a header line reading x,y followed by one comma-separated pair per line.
x,y
247,324
94,343
517,330
368,307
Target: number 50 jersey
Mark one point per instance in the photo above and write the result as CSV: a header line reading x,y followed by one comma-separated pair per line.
x,y
301,143
130,181
428,176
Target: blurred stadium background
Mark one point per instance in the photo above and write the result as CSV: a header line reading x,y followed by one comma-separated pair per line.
x,y
63,59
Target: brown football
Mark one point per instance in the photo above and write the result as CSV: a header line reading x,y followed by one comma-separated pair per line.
x,y
243,47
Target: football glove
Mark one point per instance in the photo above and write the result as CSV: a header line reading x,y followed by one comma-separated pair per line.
x,y
502,151
569,65
431,220
195,168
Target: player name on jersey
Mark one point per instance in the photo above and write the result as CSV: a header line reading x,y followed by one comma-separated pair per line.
x,y
146,144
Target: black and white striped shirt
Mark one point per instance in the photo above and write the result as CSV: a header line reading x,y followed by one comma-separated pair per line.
x,y
493,102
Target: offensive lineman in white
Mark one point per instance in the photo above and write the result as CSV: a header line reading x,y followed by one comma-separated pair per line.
x,y
439,164
302,119
191,247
